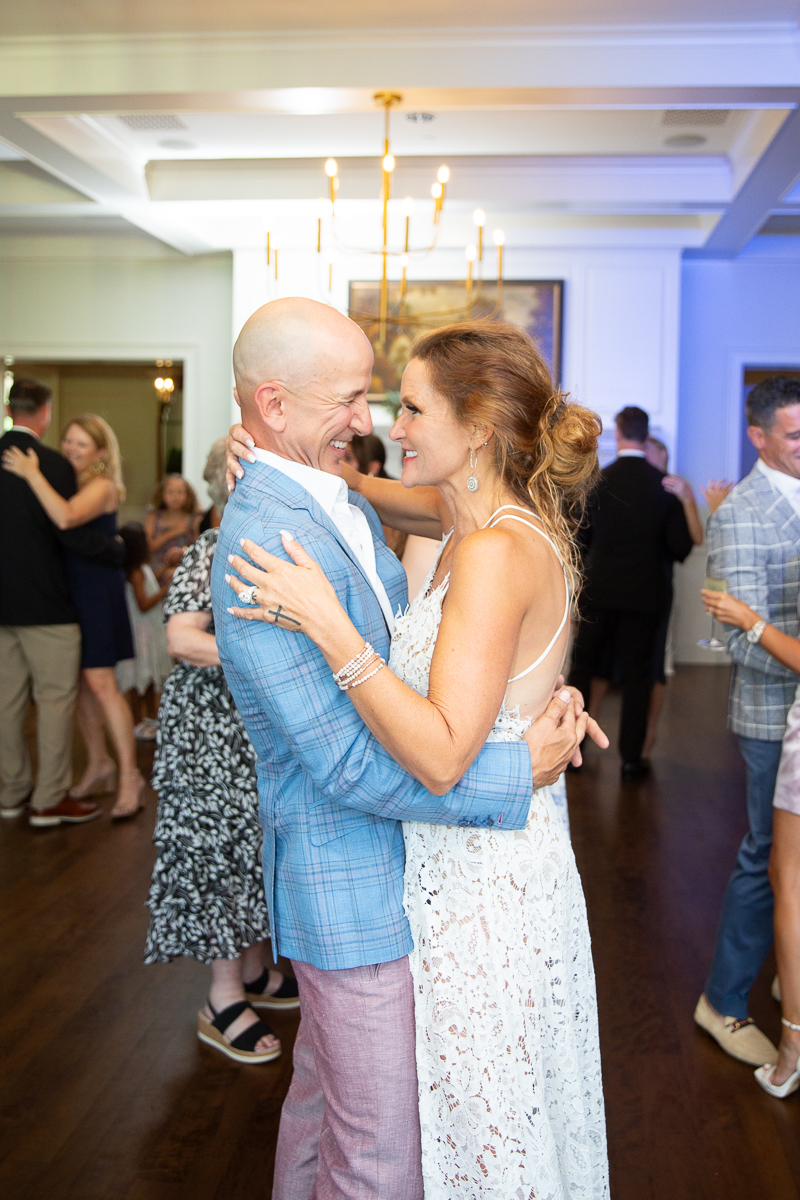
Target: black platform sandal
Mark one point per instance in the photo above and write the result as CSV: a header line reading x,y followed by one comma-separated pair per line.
x,y
243,1047
286,997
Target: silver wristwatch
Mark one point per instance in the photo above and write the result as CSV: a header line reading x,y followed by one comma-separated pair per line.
x,y
754,635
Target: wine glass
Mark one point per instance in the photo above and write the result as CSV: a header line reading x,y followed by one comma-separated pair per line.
x,y
713,643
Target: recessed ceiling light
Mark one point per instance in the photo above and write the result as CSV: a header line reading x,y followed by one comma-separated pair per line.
x,y
181,144
682,141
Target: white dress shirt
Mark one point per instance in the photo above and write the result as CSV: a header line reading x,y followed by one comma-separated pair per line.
x,y
24,429
787,485
631,454
330,492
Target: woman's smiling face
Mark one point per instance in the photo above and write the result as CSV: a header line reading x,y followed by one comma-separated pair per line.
x,y
79,448
435,445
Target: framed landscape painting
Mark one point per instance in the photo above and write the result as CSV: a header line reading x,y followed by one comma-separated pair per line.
x,y
535,305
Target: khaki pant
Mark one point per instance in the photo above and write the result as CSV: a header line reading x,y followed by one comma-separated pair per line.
x,y
42,660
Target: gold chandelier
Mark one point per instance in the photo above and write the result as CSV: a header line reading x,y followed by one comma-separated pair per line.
x,y
473,281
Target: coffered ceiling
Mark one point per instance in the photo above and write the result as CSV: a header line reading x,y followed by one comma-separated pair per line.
x,y
200,124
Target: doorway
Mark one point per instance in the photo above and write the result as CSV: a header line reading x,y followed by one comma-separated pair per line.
x,y
147,419
751,376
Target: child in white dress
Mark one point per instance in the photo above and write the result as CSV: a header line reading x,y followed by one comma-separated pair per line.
x,y
143,676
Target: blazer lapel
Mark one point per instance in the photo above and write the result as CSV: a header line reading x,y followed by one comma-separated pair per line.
x,y
278,486
779,510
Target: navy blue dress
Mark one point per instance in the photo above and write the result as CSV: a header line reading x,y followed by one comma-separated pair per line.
x,y
99,596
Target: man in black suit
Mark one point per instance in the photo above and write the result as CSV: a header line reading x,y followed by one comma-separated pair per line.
x,y
635,531
40,641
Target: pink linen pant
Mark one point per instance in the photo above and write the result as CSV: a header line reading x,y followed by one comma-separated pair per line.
x,y
350,1122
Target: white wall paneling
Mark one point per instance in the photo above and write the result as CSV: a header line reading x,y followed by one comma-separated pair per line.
x,y
135,309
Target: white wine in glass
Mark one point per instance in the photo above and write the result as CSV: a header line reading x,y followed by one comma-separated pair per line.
x,y
713,643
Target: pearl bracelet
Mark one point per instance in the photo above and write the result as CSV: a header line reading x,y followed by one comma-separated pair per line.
x,y
790,1025
345,687
355,666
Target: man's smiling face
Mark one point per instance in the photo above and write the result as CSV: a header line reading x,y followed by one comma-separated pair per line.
x,y
323,414
779,446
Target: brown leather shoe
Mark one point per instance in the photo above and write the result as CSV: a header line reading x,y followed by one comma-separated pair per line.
x,y
67,812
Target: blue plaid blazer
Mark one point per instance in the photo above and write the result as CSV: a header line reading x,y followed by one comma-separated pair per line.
x,y
754,543
331,798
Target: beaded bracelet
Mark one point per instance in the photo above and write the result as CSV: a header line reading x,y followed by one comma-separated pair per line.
x,y
347,686
355,666
790,1025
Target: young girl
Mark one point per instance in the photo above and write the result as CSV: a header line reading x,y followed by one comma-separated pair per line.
x,y
172,523
143,676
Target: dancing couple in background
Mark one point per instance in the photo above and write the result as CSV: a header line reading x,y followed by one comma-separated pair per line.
x,y
444,964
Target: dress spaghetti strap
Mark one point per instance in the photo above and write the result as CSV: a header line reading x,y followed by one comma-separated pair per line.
x,y
500,515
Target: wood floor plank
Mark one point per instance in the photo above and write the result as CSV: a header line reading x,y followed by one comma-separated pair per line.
x,y
108,1095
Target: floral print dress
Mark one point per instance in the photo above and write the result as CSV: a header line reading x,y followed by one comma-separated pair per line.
x,y
207,893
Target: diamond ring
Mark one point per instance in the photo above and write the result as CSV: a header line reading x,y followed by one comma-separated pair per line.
x,y
248,596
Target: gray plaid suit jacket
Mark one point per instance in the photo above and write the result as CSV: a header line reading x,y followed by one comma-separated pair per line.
x,y
754,543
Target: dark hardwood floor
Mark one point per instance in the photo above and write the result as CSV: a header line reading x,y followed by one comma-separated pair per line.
x,y
106,1092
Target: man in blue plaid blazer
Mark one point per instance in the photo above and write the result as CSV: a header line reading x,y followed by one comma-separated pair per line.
x,y
754,543
331,798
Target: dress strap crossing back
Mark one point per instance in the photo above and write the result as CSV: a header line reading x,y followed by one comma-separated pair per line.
x,y
500,515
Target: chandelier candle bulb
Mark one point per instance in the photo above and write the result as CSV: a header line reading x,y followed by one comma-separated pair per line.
x,y
332,171
388,162
443,174
437,191
479,217
471,254
499,240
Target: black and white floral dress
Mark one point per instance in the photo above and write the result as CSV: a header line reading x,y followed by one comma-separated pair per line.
x,y
207,894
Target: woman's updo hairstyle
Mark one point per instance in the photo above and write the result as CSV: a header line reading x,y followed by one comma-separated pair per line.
x,y
545,448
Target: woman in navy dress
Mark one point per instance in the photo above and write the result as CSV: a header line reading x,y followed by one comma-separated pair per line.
x,y
99,595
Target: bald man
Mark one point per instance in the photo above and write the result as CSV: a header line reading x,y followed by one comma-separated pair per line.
x,y
331,798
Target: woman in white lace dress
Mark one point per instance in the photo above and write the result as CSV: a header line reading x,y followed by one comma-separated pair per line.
x,y
508,1059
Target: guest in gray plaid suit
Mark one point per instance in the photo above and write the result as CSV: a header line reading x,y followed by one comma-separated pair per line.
x,y
754,543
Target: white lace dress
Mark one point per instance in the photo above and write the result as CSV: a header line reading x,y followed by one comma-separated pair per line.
x,y
508,1056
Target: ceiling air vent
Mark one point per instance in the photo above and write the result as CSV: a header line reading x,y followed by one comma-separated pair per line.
x,y
695,117
153,122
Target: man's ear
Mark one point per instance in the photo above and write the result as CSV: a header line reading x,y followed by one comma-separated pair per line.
x,y
757,436
268,399
236,397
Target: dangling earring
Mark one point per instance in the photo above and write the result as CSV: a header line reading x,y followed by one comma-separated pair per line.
x,y
472,482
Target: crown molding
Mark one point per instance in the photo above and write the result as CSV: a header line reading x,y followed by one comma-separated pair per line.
x,y
746,33
726,54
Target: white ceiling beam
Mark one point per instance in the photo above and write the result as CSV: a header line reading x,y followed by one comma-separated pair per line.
x,y
88,179
776,172
605,181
